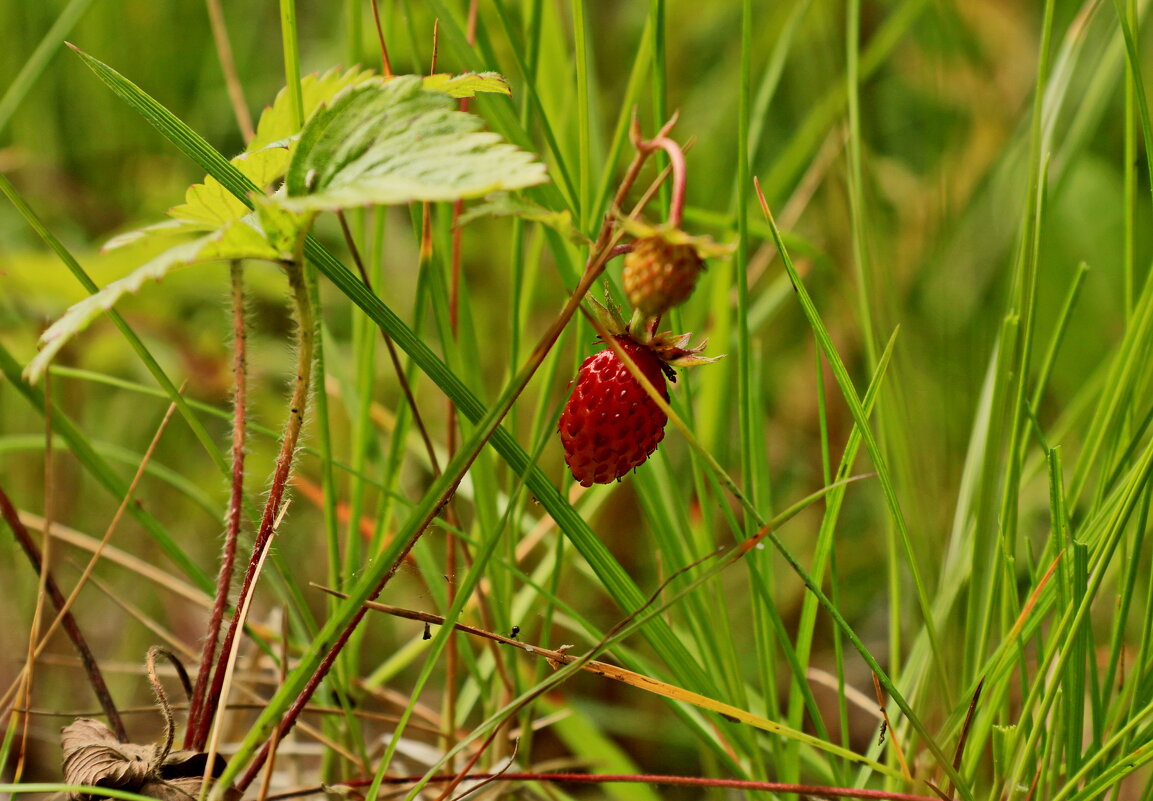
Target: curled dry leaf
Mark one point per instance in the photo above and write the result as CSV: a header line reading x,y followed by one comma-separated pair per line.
x,y
93,756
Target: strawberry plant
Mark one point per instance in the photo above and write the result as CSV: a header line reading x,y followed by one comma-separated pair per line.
x,y
334,479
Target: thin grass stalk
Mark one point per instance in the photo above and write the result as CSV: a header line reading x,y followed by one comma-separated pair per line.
x,y
452,657
584,126
228,68
1129,177
71,628
38,62
24,683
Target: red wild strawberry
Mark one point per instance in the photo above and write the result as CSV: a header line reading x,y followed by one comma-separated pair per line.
x,y
610,424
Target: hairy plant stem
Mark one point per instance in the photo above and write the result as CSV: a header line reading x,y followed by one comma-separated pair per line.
x,y
95,677
607,239
235,502
297,406
594,270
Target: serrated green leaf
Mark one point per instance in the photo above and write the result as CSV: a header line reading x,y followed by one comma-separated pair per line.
x,y
282,227
467,84
240,240
264,166
393,142
166,228
505,205
208,205
276,123
211,205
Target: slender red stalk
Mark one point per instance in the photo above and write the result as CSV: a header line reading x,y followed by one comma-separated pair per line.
x,y
297,405
235,502
677,161
601,251
393,356
815,791
228,67
385,66
451,655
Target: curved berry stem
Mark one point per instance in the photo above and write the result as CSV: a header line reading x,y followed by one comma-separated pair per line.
x,y
677,159
676,156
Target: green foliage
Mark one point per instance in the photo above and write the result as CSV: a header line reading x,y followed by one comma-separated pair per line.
x,y
385,142
240,239
936,169
507,205
379,142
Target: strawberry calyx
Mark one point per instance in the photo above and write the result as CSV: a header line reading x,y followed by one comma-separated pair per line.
x,y
673,350
704,246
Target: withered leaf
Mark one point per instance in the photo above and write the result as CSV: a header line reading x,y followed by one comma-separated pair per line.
x,y
93,756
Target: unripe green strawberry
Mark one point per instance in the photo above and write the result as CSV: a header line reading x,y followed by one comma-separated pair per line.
x,y
659,274
610,424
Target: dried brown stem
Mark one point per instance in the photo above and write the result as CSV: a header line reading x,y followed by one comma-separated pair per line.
x,y
95,677
965,728
385,66
162,696
266,780
228,67
235,502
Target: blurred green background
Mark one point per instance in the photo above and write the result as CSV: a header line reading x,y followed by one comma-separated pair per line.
x,y
945,99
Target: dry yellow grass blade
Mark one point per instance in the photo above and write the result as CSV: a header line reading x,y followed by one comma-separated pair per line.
x,y
559,657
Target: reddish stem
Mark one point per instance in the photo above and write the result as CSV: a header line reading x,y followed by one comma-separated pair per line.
x,y
385,66
593,270
297,405
677,161
232,534
393,356
647,778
